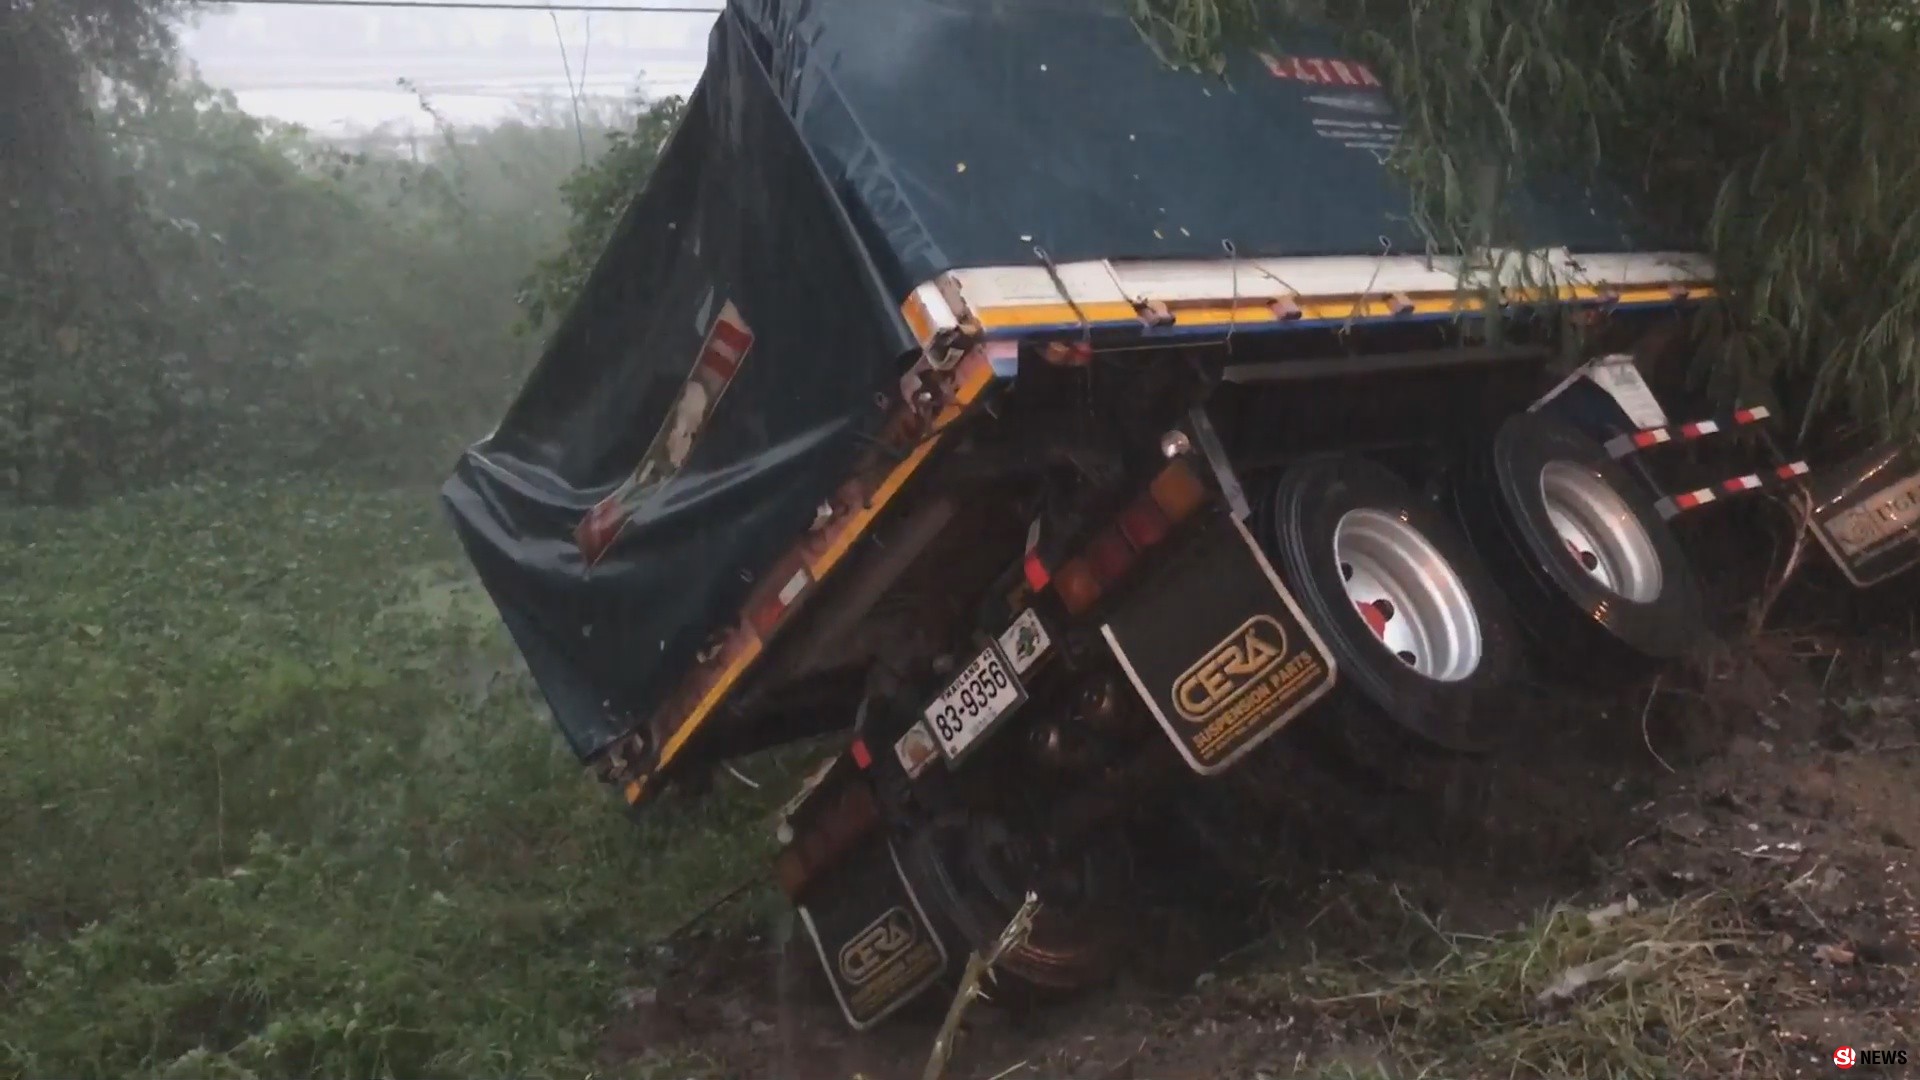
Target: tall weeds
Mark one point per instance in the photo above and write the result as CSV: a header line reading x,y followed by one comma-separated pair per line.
x,y
1777,135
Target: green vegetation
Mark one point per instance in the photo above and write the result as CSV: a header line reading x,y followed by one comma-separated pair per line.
x,y
1770,132
596,195
189,290
278,799
1617,993
278,805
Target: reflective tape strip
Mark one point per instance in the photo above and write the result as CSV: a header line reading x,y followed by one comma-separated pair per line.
x,y
1621,445
1673,505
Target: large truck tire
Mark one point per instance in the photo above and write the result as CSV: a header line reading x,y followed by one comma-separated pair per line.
x,y
1418,629
974,870
1597,576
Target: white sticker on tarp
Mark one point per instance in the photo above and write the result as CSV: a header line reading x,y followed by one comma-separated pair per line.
x,y
1620,378
1025,642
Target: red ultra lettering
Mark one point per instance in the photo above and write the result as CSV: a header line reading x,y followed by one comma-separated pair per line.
x,y
1314,69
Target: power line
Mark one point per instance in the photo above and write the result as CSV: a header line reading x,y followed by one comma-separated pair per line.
x,y
482,5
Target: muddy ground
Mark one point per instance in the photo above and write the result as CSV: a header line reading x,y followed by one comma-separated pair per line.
x,y
1712,873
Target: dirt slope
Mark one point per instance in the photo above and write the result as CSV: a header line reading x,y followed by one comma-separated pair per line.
x,y
1752,829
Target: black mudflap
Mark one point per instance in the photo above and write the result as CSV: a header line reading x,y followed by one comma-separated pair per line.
x,y
872,935
1217,647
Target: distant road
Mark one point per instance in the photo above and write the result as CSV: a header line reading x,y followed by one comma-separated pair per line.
x,y
318,32
502,63
350,112
337,71
602,78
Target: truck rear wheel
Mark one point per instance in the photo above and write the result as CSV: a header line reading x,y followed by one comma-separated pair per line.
x,y
1415,624
1590,564
976,869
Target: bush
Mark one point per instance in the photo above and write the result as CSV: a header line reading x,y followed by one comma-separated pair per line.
x,y
239,299
281,804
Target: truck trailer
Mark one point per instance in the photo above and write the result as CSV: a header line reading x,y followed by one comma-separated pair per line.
x,y
1053,428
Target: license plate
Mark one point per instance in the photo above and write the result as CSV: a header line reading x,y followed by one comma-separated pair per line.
x,y
1867,513
985,691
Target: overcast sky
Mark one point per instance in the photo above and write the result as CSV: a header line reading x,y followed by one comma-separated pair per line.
x,y
334,69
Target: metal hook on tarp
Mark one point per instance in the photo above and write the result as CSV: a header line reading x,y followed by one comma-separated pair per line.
x,y
1082,354
1060,286
1386,251
1233,271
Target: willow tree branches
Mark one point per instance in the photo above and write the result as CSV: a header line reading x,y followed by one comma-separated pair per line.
x,y
1776,134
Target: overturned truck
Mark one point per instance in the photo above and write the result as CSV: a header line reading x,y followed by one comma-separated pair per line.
x,y
1061,428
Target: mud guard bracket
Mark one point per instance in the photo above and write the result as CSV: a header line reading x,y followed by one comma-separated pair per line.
x,y
1216,454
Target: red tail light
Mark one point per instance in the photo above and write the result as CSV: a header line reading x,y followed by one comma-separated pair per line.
x,y
1110,556
1036,572
1143,523
1172,497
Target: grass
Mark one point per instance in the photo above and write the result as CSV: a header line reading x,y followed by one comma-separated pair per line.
x,y
1616,994
277,803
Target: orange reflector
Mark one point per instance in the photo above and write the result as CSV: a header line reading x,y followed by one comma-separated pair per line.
x,y
766,617
1143,523
1065,354
1109,556
1177,491
1076,585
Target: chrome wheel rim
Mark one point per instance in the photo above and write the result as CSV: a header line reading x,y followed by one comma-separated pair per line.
x,y
1600,531
1408,594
